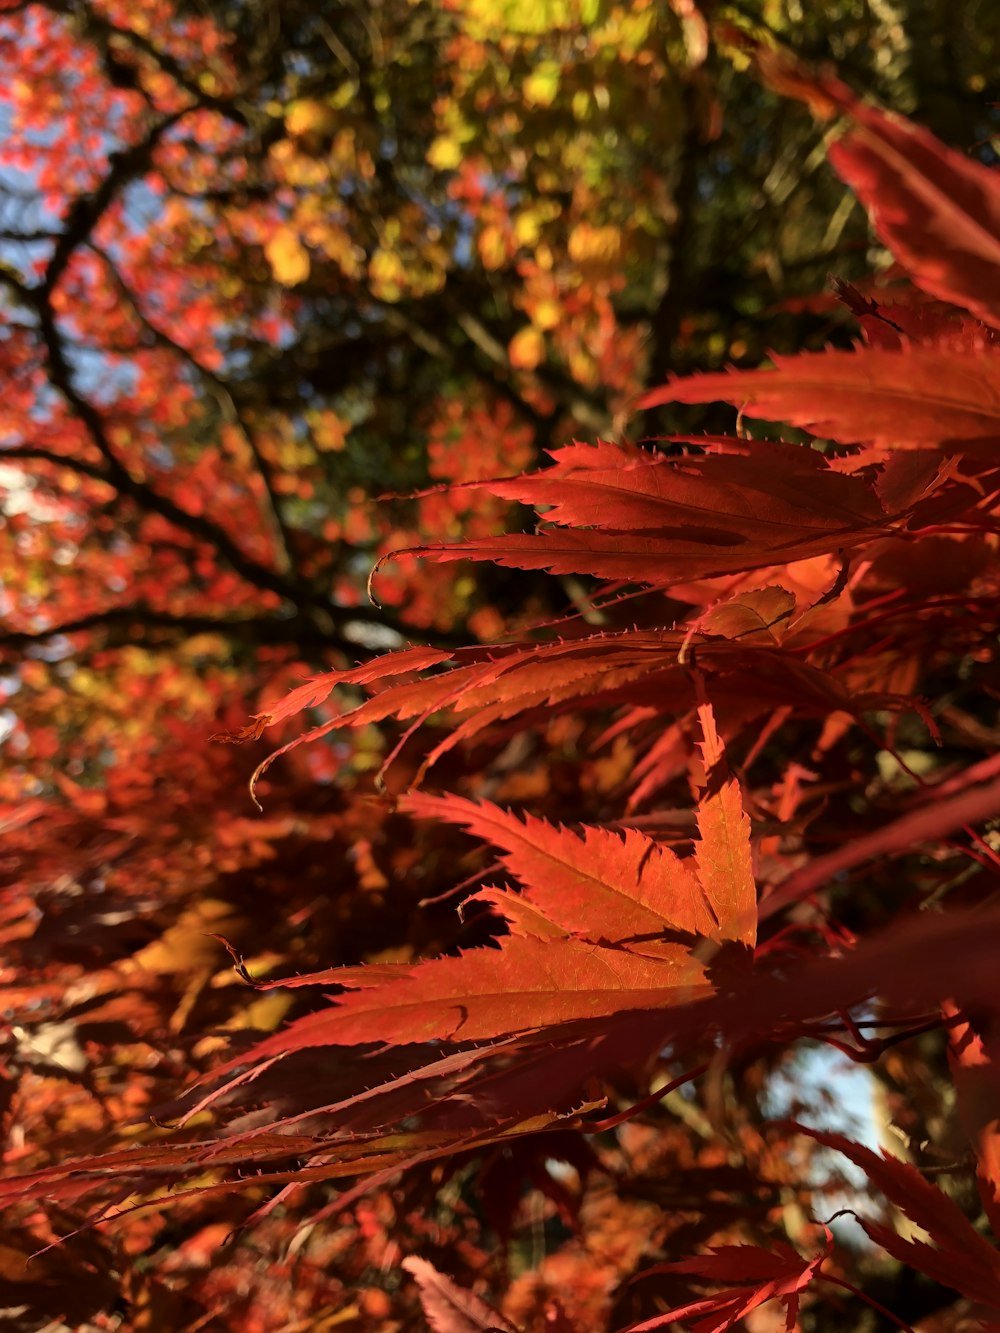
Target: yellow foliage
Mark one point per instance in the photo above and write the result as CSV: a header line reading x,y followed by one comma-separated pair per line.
x,y
445,153
529,222
264,1013
336,243
522,17
187,945
582,367
627,32
589,243
582,105
527,348
329,431
542,84
492,246
597,251
310,116
288,257
527,228
387,274
306,172
547,313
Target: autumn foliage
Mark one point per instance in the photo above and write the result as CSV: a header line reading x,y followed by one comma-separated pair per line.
x,y
505,997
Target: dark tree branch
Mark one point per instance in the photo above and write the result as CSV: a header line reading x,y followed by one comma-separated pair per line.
x,y
318,624
114,472
32,452
145,496
220,389
87,210
9,234
681,275
100,32
129,624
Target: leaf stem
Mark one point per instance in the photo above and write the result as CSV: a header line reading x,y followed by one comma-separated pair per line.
x,y
868,1300
612,1121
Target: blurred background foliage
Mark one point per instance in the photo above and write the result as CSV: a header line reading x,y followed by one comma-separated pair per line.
x,y
262,261
272,260
554,204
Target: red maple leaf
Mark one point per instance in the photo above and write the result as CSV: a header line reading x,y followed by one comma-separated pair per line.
x,y
755,1276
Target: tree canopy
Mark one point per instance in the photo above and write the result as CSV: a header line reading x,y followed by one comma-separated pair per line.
x,y
459,393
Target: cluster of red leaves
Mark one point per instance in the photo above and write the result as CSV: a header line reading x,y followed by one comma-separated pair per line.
x,y
793,603
836,581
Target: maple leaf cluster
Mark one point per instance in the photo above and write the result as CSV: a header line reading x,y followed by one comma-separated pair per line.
x,y
731,803
617,949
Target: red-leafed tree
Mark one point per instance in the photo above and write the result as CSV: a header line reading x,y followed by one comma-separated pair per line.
x,y
703,752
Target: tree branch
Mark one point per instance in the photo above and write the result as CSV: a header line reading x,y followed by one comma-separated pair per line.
x,y
32,452
116,474
129,624
283,534
87,210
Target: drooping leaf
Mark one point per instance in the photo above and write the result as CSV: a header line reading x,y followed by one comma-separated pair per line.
x,y
937,210
485,993
316,691
722,855
758,615
972,1056
958,1257
486,686
754,493
910,398
599,884
954,810
635,919
451,1309
659,520
755,1275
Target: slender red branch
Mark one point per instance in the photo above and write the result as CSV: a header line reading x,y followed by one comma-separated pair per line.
x,y
908,609
868,1300
612,1121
